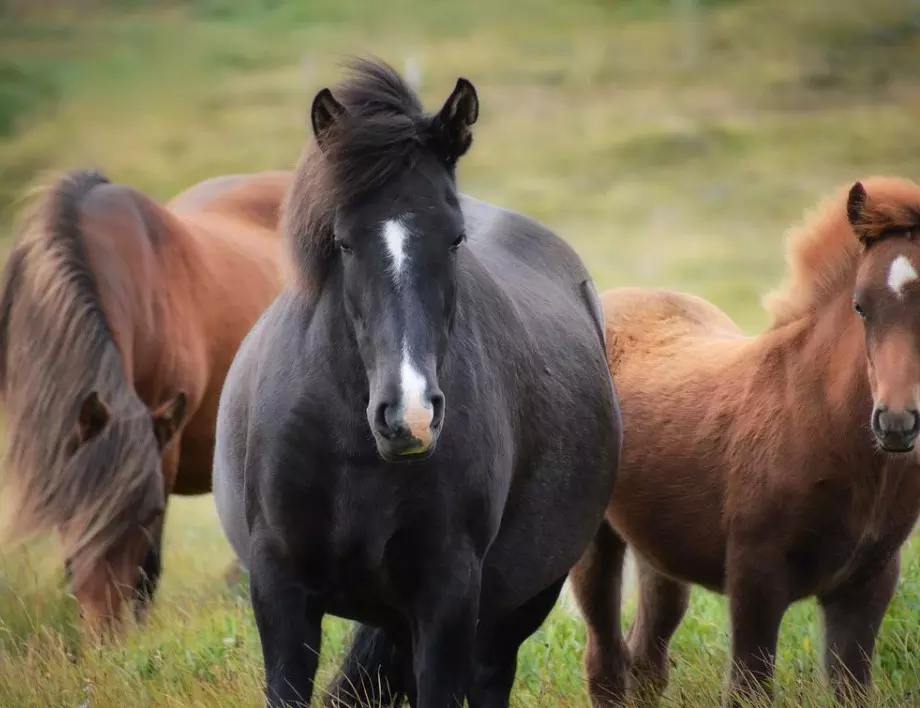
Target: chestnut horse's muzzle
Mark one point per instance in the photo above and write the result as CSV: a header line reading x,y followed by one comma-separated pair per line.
x,y
896,431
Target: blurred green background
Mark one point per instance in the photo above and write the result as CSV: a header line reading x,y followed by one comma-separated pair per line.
x,y
672,142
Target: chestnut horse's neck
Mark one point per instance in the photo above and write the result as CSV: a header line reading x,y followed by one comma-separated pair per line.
x,y
826,355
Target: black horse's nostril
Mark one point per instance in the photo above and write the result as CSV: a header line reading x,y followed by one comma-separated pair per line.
x,y
382,416
437,407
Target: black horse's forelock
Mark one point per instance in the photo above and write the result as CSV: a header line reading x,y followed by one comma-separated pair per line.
x,y
385,133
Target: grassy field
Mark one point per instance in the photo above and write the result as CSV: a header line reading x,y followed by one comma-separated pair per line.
x,y
666,157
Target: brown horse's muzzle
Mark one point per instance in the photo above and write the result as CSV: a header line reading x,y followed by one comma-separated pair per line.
x,y
896,431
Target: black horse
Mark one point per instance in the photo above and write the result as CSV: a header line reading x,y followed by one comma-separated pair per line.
x,y
421,433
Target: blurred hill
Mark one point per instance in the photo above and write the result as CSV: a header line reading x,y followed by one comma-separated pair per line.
x,y
671,141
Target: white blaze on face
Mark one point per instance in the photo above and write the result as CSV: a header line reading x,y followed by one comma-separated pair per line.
x,y
394,237
900,274
416,413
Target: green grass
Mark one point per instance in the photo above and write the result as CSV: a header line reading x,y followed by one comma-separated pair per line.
x,y
659,170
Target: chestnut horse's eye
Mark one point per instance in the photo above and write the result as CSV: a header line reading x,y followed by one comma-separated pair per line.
x,y
859,310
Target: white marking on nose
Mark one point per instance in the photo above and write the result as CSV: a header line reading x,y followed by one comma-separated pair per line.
x,y
900,274
417,413
394,236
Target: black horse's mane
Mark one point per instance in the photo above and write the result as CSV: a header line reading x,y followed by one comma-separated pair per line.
x,y
384,133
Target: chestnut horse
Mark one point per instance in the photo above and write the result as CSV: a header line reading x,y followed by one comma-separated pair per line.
x,y
118,321
769,468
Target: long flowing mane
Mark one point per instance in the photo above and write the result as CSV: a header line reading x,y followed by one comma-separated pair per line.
x,y
385,132
56,347
823,254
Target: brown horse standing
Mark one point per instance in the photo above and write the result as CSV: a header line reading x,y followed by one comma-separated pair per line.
x,y
118,321
770,468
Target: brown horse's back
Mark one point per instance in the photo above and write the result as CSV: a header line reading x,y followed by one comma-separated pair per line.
x,y
254,198
234,222
670,352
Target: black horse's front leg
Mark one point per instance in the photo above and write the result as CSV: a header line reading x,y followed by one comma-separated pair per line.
x,y
444,635
289,628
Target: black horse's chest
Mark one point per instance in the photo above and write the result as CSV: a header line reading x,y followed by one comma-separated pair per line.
x,y
357,531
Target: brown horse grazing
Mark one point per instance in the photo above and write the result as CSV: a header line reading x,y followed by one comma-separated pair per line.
x,y
769,468
118,321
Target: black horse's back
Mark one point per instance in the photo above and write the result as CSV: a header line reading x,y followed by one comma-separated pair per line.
x,y
421,435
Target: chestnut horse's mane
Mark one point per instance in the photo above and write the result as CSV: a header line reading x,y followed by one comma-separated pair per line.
x,y
56,347
823,253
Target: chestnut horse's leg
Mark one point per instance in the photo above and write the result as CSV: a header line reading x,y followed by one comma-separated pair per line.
x,y
757,605
597,582
852,617
497,646
662,605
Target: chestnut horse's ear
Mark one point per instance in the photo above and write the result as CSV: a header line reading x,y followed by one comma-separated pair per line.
x,y
856,209
325,112
452,125
92,419
168,418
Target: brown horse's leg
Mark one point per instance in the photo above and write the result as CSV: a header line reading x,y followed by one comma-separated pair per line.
x,y
852,617
597,585
662,605
757,605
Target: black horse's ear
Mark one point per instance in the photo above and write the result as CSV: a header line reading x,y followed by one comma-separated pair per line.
x,y
856,209
91,420
452,125
325,112
168,418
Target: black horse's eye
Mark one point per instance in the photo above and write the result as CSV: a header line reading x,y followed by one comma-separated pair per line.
x,y
457,241
859,310
343,247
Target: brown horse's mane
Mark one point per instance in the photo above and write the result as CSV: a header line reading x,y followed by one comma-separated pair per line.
x,y
385,132
823,254
56,346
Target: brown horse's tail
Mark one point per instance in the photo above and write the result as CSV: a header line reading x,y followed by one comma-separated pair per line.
x,y
54,206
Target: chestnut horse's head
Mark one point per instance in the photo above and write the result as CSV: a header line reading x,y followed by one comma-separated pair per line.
x,y
112,545
887,298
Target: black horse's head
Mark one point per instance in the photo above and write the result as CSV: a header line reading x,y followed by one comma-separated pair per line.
x,y
394,227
